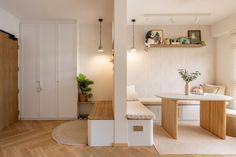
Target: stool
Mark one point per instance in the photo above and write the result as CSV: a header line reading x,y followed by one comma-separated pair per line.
x,y
231,122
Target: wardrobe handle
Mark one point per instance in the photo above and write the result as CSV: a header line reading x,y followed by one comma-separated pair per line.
x,y
39,88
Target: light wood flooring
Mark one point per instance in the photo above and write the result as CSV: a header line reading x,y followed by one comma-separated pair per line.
x,y
33,139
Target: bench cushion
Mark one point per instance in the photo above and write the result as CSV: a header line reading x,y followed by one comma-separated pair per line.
x,y
137,111
231,112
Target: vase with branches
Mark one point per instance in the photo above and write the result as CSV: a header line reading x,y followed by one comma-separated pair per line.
x,y
188,77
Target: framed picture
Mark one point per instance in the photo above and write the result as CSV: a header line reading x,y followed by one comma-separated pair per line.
x,y
154,37
195,36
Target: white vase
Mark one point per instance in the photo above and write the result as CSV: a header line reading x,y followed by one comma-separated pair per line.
x,y
186,92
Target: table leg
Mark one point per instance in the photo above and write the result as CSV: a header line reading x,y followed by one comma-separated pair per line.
x,y
169,119
213,117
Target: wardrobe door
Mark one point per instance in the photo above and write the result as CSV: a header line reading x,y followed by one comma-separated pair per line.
x,y
30,76
67,89
48,69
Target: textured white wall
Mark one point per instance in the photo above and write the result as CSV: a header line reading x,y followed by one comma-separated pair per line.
x,y
224,62
9,23
224,26
156,70
96,65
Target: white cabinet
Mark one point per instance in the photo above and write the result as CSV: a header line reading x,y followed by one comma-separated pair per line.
x,y
48,70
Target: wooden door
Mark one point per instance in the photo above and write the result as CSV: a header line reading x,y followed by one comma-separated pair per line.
x,y
8,80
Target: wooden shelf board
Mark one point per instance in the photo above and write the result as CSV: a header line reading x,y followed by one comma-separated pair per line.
x,y
88,102
177,46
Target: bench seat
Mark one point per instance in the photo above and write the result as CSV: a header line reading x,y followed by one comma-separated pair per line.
x,y
140,124
231,122
137,111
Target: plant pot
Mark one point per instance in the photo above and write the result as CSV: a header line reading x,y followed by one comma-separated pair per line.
x,y
186,91
83,97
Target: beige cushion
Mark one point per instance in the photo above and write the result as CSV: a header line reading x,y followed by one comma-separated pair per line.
x,y
131,93
207,89
137,111
221,88
216,89
231,112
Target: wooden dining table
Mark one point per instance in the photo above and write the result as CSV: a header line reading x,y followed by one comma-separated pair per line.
x,y
212,112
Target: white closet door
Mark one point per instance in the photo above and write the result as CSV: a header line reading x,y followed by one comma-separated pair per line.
x,y
48,70
67,92
30,71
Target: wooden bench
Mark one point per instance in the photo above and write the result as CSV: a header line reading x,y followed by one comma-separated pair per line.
x,y
140,124
101,124
231,122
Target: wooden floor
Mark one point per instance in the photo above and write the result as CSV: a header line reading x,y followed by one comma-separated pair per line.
x,y
33,139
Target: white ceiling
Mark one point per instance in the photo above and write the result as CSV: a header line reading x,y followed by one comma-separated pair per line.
x,y
218,9
86,11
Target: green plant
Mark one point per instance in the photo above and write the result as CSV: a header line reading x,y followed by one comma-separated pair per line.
x,y
83,84
188,76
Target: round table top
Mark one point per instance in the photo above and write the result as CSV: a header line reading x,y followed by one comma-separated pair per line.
x,y
200,97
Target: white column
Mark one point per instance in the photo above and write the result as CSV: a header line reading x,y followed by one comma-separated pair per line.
x,y
120,72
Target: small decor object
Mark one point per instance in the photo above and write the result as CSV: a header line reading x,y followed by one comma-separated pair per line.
x,y
195,36
167,41
175,42
100,48
133,48
154,37
83,86
188,77
184,40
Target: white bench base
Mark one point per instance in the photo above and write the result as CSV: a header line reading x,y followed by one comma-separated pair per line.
x,y
140,138
100,132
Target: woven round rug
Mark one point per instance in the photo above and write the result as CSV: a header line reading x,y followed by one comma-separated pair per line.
x,y
72,133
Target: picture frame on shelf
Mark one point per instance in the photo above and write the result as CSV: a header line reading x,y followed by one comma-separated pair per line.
x,y
154,37
195,36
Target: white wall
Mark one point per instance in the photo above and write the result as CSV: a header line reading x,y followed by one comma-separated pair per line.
x,y
222,31
156,70
96,65
9,23
224,62
224,26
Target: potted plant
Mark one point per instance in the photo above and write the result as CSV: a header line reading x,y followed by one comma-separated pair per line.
x,y
83,86
188,77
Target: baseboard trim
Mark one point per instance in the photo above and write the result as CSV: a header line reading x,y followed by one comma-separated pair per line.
x,y
120,144
45,119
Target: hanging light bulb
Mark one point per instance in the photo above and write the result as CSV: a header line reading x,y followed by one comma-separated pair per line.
x,y
133,48
100,48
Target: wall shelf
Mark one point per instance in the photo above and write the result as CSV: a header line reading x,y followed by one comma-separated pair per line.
x,y
177,46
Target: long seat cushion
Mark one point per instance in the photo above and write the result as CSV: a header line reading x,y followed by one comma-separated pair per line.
x,y
137,111
231,112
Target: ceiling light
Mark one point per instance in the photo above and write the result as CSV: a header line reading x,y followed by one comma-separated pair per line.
x,y
100,48
133,48
197,20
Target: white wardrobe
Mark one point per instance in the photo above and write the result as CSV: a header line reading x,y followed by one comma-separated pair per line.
x,y
48,70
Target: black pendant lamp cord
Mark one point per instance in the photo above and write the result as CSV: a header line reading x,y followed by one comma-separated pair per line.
x,y
133,20
100,20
